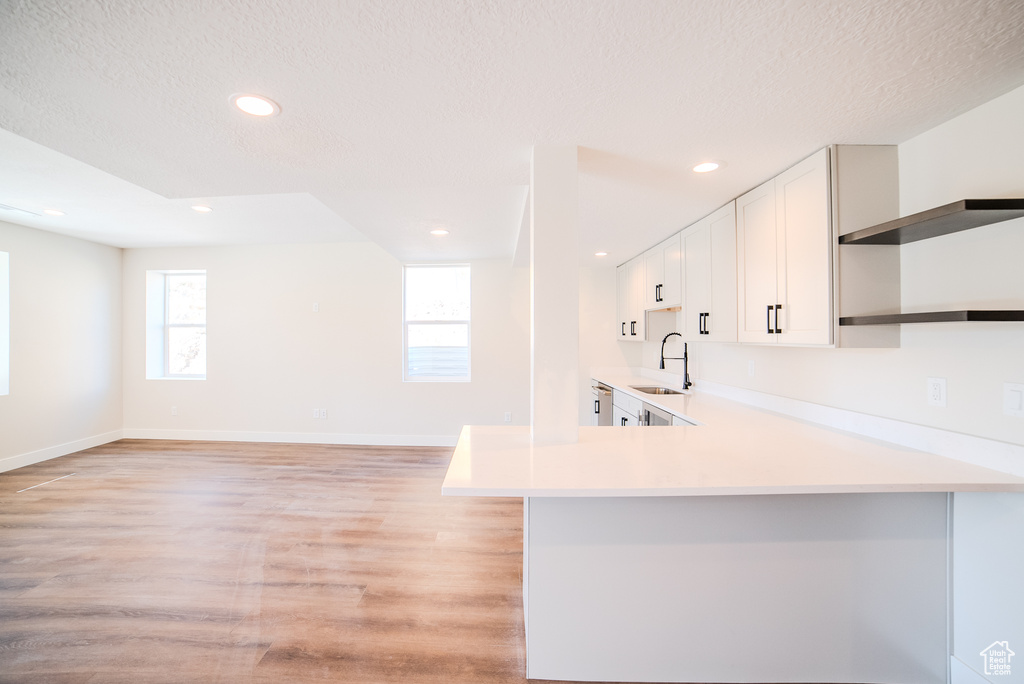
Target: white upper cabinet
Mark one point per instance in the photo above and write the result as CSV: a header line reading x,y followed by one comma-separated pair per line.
x,y
784,257
622,301
630,290
709,276
663,275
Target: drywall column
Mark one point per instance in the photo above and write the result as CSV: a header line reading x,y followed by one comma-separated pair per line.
x,y
554,296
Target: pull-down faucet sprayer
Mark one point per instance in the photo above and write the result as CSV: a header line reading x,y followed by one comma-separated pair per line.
x,y
683,358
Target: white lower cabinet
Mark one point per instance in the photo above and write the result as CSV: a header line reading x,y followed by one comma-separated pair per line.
x,y
784,257
623,419
709,275
626,409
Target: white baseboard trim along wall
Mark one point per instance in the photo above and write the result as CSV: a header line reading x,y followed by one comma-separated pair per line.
x,y
22,460
293,437
26,459
988,453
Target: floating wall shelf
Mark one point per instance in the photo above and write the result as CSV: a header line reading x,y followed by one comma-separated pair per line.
x,y
933,317
951,218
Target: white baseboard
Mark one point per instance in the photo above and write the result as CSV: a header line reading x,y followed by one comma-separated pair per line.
x,y
961,673
292,437
989,453
22,460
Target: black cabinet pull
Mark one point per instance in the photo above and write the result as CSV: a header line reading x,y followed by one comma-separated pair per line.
x,y
623,422
700,324
632,328
778,328
597,406
623,328
770,307
657,292
707,317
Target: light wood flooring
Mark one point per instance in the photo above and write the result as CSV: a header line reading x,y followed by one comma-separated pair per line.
x,y
229,562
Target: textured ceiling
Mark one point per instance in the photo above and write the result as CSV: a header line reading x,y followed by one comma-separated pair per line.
x,y
398,116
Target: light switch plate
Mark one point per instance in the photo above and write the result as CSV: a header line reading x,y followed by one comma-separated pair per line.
x,y
1013,399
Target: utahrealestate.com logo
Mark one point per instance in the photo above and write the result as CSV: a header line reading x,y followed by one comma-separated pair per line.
x,y
997,658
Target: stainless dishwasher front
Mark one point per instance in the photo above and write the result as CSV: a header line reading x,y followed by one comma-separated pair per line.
x,y
602,405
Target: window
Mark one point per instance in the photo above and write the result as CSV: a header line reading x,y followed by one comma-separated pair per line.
x,y
176,324
437,323
5,324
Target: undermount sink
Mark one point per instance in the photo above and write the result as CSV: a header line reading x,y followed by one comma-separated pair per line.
x,y
655,390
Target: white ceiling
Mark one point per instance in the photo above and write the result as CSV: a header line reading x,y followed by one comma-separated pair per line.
x,y
397,117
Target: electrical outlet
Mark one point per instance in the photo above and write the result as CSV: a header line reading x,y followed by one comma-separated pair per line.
x,y
508,416
323,414
937,391
1013,399
316,413
174,410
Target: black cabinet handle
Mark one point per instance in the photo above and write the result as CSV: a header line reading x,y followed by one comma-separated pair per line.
x,y
770,319
632,328
657,292
623,422
700,324
597,406
623,328
778,328
707,317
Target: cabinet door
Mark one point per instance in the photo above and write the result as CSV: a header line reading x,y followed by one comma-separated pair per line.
x,y
720,323
663,278
756,274
654,277
672,284
804,252
623,301
621,418
697,273
637,325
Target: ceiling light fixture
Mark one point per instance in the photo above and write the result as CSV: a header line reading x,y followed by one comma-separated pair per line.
x,y
600,253
705,167
257,105
201,208
53,212
439,231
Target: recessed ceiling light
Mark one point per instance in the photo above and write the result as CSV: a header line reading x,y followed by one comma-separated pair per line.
x,y
201,208
53,212
600,253
257,105
439,231
705,167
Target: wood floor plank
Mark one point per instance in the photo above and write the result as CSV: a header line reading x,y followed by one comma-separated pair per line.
x,y
232,562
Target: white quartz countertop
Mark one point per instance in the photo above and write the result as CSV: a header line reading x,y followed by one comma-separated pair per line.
x,y
734,449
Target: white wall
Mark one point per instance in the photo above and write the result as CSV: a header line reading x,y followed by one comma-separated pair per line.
x,y
65,322
272,360
979,154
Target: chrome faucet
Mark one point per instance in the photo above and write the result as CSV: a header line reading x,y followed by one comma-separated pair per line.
x,y
683,358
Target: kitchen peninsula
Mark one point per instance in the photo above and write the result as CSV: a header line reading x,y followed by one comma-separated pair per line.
x,y
749,547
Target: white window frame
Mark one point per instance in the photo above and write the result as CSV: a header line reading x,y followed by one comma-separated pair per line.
x,y
467,322
5,324
158,325
168,325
